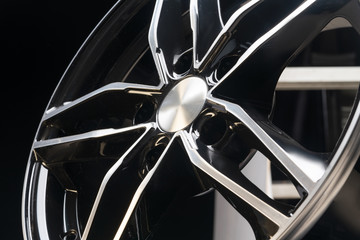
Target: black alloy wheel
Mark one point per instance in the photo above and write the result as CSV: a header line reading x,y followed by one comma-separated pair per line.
x,y
167,102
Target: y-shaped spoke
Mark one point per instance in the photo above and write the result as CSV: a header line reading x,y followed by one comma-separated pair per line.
x,y
98,149
305,167
167,36
112,87
253,77
121,180
170,182
116,105
210,40
258,205
90,146
202,12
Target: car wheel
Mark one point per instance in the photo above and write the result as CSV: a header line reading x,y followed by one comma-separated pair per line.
x,y
169,101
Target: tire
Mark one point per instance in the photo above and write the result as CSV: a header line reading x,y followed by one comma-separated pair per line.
x,y
165,105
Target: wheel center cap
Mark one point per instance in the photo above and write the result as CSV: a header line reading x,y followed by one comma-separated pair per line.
x,y
182,104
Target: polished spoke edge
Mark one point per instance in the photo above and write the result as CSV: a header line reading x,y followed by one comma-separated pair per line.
x,y
86,136
268,211
117,86
229,24
106,179
334,178
301,175
194,19
140,190
158,55
258,43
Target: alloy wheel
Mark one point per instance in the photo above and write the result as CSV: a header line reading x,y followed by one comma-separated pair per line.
x,y
170,100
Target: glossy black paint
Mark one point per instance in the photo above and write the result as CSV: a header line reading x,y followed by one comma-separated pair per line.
x,y
256,78
94,84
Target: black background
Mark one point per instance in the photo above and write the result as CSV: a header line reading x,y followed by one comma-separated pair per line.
x,y
38,40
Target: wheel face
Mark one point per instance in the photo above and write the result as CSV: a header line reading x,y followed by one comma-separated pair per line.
x,y
176,108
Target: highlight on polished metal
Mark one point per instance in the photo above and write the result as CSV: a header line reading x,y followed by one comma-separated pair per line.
x,y
182,104
145,123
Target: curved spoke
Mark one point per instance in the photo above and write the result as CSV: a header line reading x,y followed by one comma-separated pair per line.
x,y
201,13
117,86
256,203
117,105
120,174
124,176
202,56
272,51
167,36
90,146
306,168
170,182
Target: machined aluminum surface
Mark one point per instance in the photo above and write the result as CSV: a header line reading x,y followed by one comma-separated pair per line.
x,y
180,108
182,104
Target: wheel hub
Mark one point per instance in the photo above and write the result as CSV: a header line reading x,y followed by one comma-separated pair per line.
x,y
182,104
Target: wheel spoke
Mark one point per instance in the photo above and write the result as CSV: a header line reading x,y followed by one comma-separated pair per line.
x,y
96,145
167,36
112,87
117,186
104,155
253,77
249,197
201,13
117,105
169,183
210,42
304,167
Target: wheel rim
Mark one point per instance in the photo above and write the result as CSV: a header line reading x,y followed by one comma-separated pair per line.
x,y
112,149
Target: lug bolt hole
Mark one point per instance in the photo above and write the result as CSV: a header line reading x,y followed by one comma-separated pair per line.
x,y
153,154
212,129
183,63
144,113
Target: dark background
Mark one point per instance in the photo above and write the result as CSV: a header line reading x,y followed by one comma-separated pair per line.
x,y
38,40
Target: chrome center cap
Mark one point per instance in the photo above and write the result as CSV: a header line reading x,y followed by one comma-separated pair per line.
x,y
182,104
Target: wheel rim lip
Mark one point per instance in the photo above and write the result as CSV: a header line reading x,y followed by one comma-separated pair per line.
x,y
341,164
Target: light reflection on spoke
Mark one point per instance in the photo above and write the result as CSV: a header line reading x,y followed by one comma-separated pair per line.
x,y
300,170
117,86
105,180
140,191
260,206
